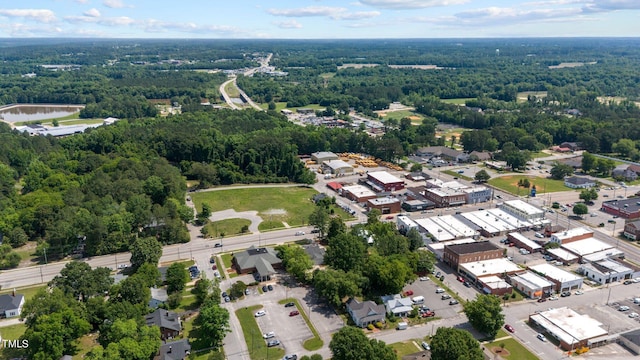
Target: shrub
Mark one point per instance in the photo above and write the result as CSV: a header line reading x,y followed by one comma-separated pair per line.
x,y
370,326
379,325
513,295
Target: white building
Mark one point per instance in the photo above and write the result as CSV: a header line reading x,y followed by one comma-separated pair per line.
x,y
337,167
571,329
478,269
405,224
397,305
563,255
477,194
570,235
494,222
523,211
606,271
444,228
563,280
532,285
588,246
11,305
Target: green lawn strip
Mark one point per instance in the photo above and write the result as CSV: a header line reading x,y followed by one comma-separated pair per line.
x,y
455,174
258,349
295,201
405,348
228,227
28,292
515,349
226,261
232,90
12,332
509,184
457,101
539,154
402,114
270,225
315,342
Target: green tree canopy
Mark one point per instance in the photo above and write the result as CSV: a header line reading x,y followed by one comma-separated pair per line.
x,y
295,261
588,195
79,280
559,171
177,277
580,209
346,252
455,344
211,325
482,176
485,314
350,343
127,339
145,250
52,335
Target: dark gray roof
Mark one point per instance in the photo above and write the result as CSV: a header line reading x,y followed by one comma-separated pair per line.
x,y
578,180
315,252
471,248
10,302
633,336
175,350
258,258
164,319
635,224
633,205
438,151
366,311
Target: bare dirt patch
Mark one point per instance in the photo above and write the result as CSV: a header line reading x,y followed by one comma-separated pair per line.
x,y
500,351
275,212
356,66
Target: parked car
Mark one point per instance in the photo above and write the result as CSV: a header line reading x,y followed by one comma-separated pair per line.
x,y
565,293
390,217
260,313
467,284
428,313
289,304
445,297
269,335
633,315
227,299
623,308
408,293
214,267
424,278
294,313
264,288
212,260
438,274
272,343
542,300
439,290
509,328
453,302
290,357
224,294
541,337
426,346
553,298
270,287
314,231
628,282
460,278
579,292
247,291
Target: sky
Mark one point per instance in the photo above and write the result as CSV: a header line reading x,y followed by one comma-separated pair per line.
x,y
318,19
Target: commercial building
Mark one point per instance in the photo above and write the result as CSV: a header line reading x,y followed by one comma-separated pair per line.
x,y
358,193
464,253
571,235
384,181
438,247
523,242
572,330
578,182
606,271
495,222
366,312
632,230
337,167
405,224
494,285
386,205
631,340
439,151
626,208
523,211
322,156
477,194
444,228
446,197
263,261
480,269
532,285
562,255
591,249
563,280
418,205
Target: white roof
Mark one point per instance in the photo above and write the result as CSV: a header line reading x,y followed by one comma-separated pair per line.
x,y
440,246
474,189
528,242
532,281
435,230
495,220
443,191
555,273
586,246
605,254
454,226
454,185
384,177
524,207
569,326
494,282
614,266
383,201
435,182
562,254
337,164
568,234
489,267
358,190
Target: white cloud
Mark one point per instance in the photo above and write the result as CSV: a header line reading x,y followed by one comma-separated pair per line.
x,y
116,4
358,15
611,5
496,16
336,13
411,4
41,15
92,13
106,21
288,24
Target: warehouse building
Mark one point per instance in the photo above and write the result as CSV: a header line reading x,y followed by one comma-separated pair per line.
x,y
337,167
417,205
464,253
480,269
626,208
405,224
383,181
572,330
523,242
591,249
562,255
322,156
563,280
523,211
477,194
571,235
386,205
532,285
495,222
606,271
358,193
445,228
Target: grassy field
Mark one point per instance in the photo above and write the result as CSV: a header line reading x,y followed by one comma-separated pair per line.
x,y
228,227
539,154
226,260
510,184
403,114
315,342
253,336
455,174
515,349
232,90
404,348
290,204
458,101
524,95
270,225
12,332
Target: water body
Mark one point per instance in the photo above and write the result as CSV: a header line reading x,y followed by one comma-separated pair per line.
x,y
30,112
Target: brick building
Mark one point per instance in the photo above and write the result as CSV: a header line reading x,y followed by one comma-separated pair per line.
x,y
385,205
465,253
383,181
627,208
446,197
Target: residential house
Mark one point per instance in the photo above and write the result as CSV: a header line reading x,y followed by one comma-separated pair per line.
x,y
479,156
632,230
397,305
578,182
11,305
626,172
366,312
159,296
175,350
262,261
168,322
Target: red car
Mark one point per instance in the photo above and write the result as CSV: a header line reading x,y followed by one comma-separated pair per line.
x,y
215,267
509,328
460,278
408,293
428,313
390,217
294,313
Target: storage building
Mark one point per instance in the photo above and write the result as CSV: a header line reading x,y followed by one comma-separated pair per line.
x,y
532,285
358,193
337,167
563,280
386,205
570,329
523,242
322,156
606,271
385,181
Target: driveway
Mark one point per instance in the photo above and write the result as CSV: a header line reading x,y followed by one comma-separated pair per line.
x,y
232,214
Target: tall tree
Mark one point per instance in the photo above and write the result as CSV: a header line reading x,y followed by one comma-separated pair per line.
x,y
559,171
485,314
211,325
580,209
126,339
346,252
78,279
145,250
177,277
482,176
319,219
350,343
455,344
55,334
589,162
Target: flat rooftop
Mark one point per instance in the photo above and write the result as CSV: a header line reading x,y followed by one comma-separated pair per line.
x,y
337,164
442,192
555,272
470,248
384,201
384,177
562,254
632,205
570,233
440,245
526,241
444,228
533,281
524,207
569,326
586,246
359,190
490,267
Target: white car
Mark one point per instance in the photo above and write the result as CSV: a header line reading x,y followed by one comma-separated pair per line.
x,y
260,313
299,233
623,308
579,292
633,315
424,278
553,298
269,335
541,337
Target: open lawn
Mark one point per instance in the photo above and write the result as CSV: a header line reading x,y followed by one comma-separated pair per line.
x,y
228,227
12,332
539,154
28,292
232,90
457,101
257,347
80,122
226,261
514,349
524,95
292,205
270,225
509,184
315,342
386,115
405,348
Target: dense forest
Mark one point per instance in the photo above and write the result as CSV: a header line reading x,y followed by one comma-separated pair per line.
x,y
95,193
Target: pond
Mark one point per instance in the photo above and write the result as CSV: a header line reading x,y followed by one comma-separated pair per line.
x,y
32,112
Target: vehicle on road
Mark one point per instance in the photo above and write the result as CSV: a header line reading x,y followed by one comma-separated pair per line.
x,y
453,302
628,282
565,293
408,293
541,337
273,343
509,328
623,308
227,299
298,233
290,357
445,297
553,298
264,288
426,346
460,278
633,315
402,326
542,300
579,292
314,231
289,304
467,284
270,287
269,335
260,313
294,313
217,245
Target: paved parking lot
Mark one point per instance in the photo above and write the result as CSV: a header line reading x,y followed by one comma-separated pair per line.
x,y
432,300
292,331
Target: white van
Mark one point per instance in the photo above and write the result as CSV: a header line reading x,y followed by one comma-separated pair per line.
x,y
636,300
538,235
418,300
402,326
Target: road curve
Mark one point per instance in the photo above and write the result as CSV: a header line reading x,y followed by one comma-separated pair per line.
x,y
226,97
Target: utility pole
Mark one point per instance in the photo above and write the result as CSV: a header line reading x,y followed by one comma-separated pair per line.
x,y
45,255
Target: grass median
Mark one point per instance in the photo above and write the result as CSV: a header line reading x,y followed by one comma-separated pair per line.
x,y
258,349
315,342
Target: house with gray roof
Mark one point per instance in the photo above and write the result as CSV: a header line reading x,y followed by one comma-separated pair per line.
x,y
175,350
579,182
11,305
397,305
168,322
366,312
262,261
